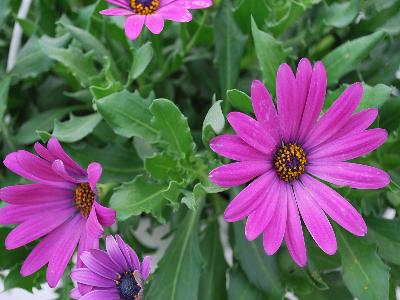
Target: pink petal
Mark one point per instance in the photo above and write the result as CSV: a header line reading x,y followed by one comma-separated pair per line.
x,y
125,251
75,294
133,26
87,277
175,13
121,3
349,147
105,215
261,217
97,267
59,169
110,294
233,147
155,23
286,93
115,253
103,258
146,267
336,116
44,153
94,172
251,131
315,219
337,207
238,173
249,198
93,227
264,108
134,259
294,233
315,100
116,12
351,174
188,4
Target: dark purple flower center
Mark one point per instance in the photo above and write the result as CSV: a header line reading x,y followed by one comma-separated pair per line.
x,y
84,198
128,287
290,161
145,7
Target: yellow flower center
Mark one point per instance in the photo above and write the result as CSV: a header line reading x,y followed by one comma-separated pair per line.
x,y
145,7
290,161
84,198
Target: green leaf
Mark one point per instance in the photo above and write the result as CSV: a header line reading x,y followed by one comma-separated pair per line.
x,y
261,270
364,273
178,274
348,56
341,14
214,122
76,128
15,280
10,258
4,11
128,115
240,101
173,127
213,279
229,46
162,166
4,89
375,96
141,59
270,54
389,115
240,287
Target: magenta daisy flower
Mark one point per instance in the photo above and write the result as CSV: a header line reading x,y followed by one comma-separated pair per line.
x,y
115,274
152,13
60,207
283,153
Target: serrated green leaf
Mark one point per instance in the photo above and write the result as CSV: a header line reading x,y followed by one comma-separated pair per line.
x,y
76,128
162,166
214,122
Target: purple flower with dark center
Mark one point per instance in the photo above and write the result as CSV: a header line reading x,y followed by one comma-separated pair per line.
x,y
61,207
152,13
115,274
284,151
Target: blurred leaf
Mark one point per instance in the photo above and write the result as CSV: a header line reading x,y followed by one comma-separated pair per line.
x,y
214,122
389,115
375,96
76,128
15,280
10,258
341,14
4,11
348,56
178,274
240,288
4,89
141,59
364,273
240,101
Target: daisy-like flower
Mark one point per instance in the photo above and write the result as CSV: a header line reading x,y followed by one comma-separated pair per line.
x,y
60,207
152,13
287,149
115,274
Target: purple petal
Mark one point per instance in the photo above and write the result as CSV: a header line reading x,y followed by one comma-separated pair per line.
x,y
238,173
121,3
115,253
87,242
233,147
59,169
98,267
44,153
349,147
124,249
87,277
337,207
286,93
251,131
264,108
93,226
103,258
248,199
188,4
155,23
134,259
351,174
294,233
105,215
175,13
133,26
94,172
336,116
75,294
315,219
110,294
315,100
146,267
116,12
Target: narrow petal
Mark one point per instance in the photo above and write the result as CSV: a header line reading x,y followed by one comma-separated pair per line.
x,y
133,26
116,12
75,294
337,207
146,267
124,249
248,199
315,100
349,147
233,147
175,13
259,219
188,4
315,219
44,153
87,277
286,93
135,262
105,215
238,173
97,267
93,226
87,241
121,3
264,108
155,23
109,294
250,131
336,116
351,174
59,169
103,258
294,233
94,172
115,253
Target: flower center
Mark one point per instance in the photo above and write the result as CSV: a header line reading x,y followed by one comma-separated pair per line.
x,y
128,286
84,198
289,161
145,7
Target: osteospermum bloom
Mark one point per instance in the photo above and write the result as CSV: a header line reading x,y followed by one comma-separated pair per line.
x,y
115,274
287,150
153,13
61,207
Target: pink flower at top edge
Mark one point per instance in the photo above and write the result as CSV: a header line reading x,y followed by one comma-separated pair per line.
x,y
152,13
284,151
60,207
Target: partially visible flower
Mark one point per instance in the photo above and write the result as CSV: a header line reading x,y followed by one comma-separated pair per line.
x,y
152,13
115,274
61,207
285,150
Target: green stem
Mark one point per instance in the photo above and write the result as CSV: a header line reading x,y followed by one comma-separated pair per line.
x,y
6,136
194,38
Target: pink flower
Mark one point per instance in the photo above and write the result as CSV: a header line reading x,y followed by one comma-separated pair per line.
x,y
284,151
113,275
61,207
152,13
